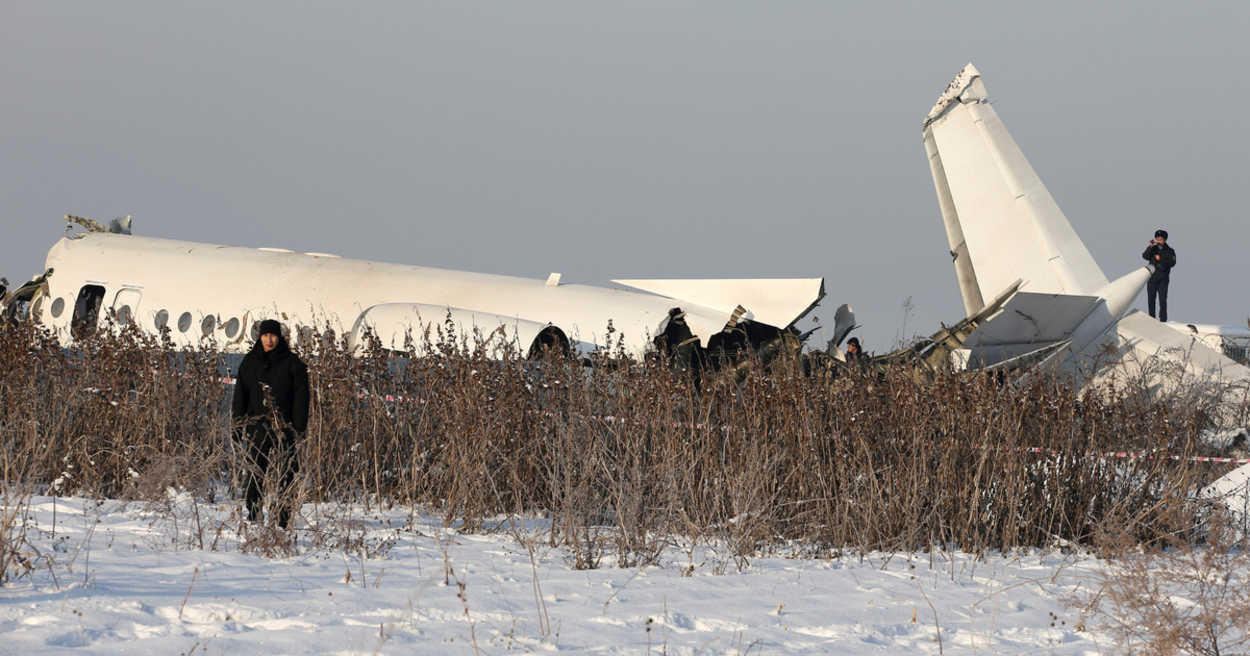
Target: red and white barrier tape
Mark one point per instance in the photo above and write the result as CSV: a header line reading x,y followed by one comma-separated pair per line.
x,y
1108,454
1147,456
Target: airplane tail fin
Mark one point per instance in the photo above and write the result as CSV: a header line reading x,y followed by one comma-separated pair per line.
x,y
1001,222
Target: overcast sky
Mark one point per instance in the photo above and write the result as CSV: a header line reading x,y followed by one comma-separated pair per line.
x,y
626,140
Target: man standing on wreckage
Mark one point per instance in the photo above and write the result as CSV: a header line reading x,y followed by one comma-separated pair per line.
x,y
270,410
1163,257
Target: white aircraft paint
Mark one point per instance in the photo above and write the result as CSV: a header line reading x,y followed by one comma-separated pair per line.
x,y
212,295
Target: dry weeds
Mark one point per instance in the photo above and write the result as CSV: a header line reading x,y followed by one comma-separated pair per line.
x,y
621,456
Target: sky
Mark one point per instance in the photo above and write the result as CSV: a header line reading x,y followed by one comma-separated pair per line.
x,y
626,140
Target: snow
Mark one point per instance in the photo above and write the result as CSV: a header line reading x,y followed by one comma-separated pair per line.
x,y
1232,490
133,578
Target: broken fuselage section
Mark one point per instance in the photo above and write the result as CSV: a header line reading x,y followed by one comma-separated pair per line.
x,y
206,296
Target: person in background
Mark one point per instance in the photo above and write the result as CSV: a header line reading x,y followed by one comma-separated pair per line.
x,y
856,359
853,349
1159,254
270,409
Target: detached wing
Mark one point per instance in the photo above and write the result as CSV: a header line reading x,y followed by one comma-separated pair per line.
x,y
1140,339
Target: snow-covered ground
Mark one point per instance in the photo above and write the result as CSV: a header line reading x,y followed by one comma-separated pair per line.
x,y
178,578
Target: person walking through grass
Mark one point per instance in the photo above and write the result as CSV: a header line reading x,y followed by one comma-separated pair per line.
x,y
270,411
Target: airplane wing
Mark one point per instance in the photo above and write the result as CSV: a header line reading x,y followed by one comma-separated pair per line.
x,y
1141,339
776,302
1233,492
1001,222
1140,355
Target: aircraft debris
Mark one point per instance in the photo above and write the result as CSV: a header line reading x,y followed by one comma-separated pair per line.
x,y
191,292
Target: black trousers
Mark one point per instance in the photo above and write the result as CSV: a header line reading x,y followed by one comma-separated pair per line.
x,y
1159,289
270,460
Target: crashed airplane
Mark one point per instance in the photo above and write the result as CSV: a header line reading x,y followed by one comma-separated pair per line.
x,y
1033,294
211,296
1035,297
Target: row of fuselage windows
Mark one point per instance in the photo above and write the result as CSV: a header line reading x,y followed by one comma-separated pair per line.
x,y
91,299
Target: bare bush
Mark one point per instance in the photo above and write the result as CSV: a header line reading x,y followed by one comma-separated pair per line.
x,y
1185,599
621,456
17,557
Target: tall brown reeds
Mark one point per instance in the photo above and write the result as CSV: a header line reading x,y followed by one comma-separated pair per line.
x,y
621,455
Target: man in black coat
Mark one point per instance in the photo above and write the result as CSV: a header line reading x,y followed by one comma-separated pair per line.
x,y
1163,258
854,352
271,409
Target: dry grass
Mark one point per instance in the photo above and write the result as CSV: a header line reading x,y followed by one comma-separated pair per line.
x,y
622,455
1193,598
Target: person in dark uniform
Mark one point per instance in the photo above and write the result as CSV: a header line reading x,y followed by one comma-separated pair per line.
x,y
270,411
853,350
856,359
1159,254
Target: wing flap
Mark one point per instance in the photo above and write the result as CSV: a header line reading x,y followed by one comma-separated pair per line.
x,y
777,302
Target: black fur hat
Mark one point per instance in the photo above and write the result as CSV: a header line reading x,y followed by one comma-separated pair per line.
x,y
1161,233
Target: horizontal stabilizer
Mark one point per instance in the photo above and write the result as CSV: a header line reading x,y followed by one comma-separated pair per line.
x,y
1009,356
778,302
1043,358
1030,318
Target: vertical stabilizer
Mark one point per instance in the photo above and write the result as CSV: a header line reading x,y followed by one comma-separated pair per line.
x,y
1001,222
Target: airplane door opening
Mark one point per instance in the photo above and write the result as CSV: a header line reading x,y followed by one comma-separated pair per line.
x,y
550,340
86,311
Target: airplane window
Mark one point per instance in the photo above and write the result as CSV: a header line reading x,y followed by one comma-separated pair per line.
x,y
232,328
125,304
161,320
184,322
58,306
207,325
255,332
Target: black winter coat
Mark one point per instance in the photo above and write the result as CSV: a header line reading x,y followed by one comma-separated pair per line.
x,y
1163,265
287,380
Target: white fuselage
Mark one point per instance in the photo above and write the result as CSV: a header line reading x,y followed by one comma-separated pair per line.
x,y
215,294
